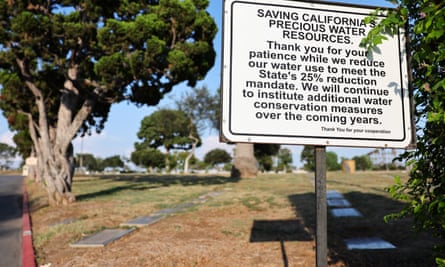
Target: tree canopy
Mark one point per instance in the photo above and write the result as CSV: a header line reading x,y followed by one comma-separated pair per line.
x,y
217,156
169,129
64,63
201,108
263,153
148,157
284,159
166,128
332,161
425,189
7,154
308,157
363,162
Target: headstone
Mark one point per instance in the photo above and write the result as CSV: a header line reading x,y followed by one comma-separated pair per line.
x,y
332,194
345,212
102,238
368,243
338,202
144,220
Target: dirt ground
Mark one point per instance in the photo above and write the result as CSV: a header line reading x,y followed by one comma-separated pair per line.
x,y
233,229
206,237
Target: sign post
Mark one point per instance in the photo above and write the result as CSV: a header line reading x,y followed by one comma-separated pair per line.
x,y
293,72
321,230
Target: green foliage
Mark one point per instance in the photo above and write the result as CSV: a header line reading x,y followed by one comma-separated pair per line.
x,y
308,157
113,161
148,157
332,161
94,54
168,128
201,108
425,189
264,153
180,157
217,156
199,105
7,153
363,162
284,159
88,161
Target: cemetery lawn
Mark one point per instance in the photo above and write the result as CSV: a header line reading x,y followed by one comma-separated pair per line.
x,y
265,221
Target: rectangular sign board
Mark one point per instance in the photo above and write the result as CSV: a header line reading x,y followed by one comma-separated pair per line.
x,y
293,73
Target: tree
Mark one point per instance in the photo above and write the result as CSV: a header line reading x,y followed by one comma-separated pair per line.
x,y
424,191
181,158
7,154
308,156
168,128
113,162
217,156
87,161
63,63
332,161
363,162
201,107
284,159
244,164
149,158
264,153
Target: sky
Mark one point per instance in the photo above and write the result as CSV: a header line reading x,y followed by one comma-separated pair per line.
x,y
119,135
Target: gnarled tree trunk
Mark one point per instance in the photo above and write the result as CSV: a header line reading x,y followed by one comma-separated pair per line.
x,y
52,142
245,164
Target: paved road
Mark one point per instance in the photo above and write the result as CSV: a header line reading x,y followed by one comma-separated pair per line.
x,y
11,220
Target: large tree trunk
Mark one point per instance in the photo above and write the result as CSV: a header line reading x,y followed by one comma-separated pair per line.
x,y
52,142
57,171
244,164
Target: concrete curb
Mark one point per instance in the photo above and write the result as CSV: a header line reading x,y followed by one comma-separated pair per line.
x,y
28,257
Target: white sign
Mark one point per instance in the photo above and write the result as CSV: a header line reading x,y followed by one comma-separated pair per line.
x,y
293,72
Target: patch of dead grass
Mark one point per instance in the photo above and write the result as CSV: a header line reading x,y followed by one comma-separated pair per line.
x,y
265,221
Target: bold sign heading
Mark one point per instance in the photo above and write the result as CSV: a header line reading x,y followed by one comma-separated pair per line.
x,y
293,72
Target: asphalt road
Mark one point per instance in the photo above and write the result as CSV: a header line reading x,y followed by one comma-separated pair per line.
x,y
11,220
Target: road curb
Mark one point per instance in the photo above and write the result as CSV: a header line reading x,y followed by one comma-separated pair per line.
x,y
28,257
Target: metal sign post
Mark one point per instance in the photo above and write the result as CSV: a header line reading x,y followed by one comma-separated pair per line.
x,y
320,192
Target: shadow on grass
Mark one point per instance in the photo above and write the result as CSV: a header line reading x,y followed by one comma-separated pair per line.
x,y
140,183
279,231
413,249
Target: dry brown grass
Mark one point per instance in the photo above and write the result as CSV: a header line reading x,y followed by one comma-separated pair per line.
x,y
265,221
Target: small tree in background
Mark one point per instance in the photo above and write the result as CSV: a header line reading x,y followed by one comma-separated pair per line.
x,y
308,157
332,161
264,155
167,128
7,154
284,160
149,158
363,162
112,162
217,156
88,162
201,108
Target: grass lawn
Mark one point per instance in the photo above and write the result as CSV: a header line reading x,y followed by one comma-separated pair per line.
x,y
265,221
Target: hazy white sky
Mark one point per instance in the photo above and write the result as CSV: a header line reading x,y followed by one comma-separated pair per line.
x,y
124,120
